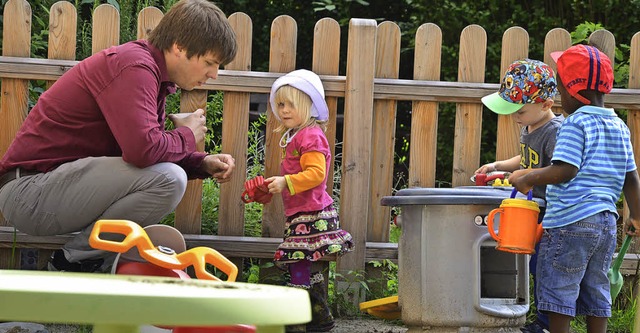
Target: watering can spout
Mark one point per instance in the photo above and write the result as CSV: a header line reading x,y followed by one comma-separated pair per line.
x,y
615,277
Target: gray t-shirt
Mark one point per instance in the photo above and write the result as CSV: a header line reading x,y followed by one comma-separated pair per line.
x,y
536,149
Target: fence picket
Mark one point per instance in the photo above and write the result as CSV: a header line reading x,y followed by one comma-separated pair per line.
x,y
384,132
424,115
605,42
16,42
148,19
282,59
105,28
557,39
468,127
515,45
63,23
326,61
234,133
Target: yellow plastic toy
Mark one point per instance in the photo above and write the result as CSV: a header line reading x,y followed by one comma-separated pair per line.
x,y
135,236
385,308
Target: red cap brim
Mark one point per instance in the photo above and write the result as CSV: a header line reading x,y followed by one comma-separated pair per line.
x,y
556,55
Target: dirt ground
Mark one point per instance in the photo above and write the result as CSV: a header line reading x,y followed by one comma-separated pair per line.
x,y
343,325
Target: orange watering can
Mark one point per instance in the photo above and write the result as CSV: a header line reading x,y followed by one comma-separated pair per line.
x,y
519,230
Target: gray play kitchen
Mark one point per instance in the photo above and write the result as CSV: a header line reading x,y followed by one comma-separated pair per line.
x,y
451,276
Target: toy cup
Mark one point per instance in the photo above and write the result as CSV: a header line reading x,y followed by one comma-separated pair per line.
x,y
519,230
256,190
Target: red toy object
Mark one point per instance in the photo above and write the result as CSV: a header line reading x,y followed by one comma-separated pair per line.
x,y
483,179
256,190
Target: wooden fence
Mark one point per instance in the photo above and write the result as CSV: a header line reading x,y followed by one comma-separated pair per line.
x,y
370,89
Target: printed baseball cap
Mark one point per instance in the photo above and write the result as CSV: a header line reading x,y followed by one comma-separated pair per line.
x,y
584,67
526,81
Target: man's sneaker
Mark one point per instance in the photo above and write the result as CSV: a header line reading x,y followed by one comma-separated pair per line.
x,y
534,327
59,263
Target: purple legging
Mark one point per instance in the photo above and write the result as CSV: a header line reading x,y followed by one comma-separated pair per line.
x,y
300,272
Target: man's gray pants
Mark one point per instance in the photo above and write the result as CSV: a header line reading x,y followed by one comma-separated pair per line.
x,y
72,197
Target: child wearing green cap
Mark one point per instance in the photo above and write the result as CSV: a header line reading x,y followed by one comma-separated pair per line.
x,y
526,93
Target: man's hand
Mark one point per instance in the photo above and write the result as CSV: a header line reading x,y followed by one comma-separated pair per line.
x,y
196,121
219,166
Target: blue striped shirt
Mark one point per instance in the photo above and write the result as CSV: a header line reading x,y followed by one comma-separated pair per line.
x,y
597,142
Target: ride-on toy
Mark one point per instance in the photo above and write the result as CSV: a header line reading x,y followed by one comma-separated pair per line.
x,y
160,250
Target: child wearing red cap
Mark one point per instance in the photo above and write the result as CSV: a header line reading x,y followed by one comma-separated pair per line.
x,y
526,93
593,162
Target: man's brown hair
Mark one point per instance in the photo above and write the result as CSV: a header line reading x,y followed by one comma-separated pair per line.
x,y
198,26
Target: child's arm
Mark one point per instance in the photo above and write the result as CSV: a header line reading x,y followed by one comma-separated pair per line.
x,y
510,165
313,174
631,190
558,172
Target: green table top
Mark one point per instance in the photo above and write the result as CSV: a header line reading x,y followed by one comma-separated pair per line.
x,y
83,298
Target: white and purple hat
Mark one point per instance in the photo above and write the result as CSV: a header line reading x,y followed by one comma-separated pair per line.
x,y
309,83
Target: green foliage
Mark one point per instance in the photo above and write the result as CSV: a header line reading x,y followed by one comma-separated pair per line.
x,y
341,298
581,34
253,273
389,277
360,286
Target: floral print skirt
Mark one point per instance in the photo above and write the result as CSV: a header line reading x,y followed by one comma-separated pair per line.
x,y
311,236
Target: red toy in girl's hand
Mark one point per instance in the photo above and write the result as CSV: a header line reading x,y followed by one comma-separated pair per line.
x,y
256,189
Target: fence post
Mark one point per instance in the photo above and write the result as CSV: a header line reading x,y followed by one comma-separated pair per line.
x,y
468,127
355,191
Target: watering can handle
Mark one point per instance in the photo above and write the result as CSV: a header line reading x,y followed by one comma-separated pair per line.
x,y
490,218
514,192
